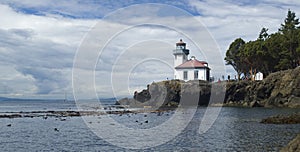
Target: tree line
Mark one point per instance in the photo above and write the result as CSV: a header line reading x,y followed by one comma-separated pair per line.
x,y
269,52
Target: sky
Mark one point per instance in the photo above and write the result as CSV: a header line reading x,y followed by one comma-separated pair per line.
x,y
40,41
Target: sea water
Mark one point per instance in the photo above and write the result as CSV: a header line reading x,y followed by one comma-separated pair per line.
x,y
235,129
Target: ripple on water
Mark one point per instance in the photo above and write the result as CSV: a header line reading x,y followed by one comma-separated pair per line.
x,y
236,129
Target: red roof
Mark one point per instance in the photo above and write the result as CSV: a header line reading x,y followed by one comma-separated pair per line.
x,y
193,63
180,42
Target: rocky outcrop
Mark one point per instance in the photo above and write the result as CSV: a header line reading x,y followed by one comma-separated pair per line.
x,y
293,145
283,119
280,89
171,94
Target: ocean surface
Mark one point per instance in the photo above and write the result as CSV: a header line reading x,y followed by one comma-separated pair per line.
x,y
235,129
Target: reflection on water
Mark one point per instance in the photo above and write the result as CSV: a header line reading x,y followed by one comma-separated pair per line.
x,y
236,129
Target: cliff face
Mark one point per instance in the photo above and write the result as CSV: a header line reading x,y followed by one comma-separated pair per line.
x,y
171,94
280,89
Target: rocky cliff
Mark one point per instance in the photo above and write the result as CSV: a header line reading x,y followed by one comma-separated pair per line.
x,y
280,89
171,94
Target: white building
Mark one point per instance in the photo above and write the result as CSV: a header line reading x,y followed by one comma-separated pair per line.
x,y
192,69
259,76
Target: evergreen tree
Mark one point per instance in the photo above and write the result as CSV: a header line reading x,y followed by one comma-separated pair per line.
x,y
251,57
291,40
263,54
268,53
274,47
263,35
232,56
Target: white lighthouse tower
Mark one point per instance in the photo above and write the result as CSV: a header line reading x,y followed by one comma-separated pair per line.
x,y
181,55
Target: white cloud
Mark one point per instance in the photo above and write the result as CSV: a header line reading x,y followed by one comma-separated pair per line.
x,y
40,50
37,49
228,20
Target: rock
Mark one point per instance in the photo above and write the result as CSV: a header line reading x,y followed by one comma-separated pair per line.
x,y
280,89
255,104
293,146
10,116
283,119
293,102
245,104
170,94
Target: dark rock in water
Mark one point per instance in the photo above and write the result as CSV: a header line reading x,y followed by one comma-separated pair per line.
x,y
293,146
283,119
10,116
146,121
9,125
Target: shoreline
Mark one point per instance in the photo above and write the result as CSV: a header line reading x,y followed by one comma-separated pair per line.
x,y
121,111
74,113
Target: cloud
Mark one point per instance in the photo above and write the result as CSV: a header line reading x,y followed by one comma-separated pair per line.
x,y
46,80
38,49
231,19
39,40
90,9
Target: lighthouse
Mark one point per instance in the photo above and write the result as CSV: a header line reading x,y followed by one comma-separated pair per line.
x,y
188,69
180,53
180,56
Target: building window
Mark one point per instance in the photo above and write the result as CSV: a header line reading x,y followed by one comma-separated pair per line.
x,y
185,75
196,74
